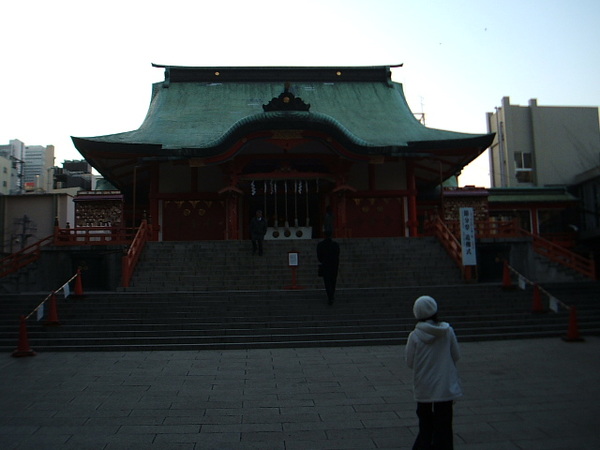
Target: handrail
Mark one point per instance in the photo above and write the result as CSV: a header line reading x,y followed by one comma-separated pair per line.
x,y
93,236
66,237
561,255
438,228
541,245
15,261
133,254
489,229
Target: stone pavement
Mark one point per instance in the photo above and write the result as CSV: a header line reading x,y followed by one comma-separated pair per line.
x,y
521,394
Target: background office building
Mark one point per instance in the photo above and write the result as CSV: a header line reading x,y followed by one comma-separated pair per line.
x,y
37,168
12,160
537,146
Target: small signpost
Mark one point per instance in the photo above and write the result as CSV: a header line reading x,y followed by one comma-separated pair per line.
x,y
293,263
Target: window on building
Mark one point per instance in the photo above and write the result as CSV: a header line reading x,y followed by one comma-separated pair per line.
x,y
523,217
523,167
556,220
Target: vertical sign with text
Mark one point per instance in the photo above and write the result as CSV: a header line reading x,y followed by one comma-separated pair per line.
x,y
467,237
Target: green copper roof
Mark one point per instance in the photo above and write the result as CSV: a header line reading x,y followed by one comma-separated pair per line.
x,y
205,113
530,195
199,112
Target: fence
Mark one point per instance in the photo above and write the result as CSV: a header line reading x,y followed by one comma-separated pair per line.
x,y
17,260
93,236
133,254
537,305
447,237
551,249
23,348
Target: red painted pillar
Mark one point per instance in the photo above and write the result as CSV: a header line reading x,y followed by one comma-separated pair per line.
x,y
232,219
535,223
341,226
154,219
413,221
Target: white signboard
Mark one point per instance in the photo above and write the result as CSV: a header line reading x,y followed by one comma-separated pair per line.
x,y
467,237
292,259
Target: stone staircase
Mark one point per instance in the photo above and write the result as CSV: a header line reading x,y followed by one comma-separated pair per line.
x,y
133,321
191,296
230,265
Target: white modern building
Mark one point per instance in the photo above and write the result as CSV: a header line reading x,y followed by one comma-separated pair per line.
x,y
537,146
12,158
38,167
5,175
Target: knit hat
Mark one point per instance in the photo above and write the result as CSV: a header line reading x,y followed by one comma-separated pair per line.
x,y
425,307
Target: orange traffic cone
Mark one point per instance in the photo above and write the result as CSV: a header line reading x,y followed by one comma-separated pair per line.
x,y
573,331
537,300
23,348
52,319
506,281
78,285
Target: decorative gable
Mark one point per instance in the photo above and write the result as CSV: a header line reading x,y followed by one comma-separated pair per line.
x,y
286,101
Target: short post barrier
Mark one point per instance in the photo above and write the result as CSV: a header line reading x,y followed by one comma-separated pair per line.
x,y
537,306
506,277
573,330
52,319
78,292
23,348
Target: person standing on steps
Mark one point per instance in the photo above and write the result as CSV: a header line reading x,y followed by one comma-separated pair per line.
x,y
328,254
258,229
432,352
328,222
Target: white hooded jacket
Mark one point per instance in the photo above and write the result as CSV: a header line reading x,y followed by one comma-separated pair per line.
x,y
432,351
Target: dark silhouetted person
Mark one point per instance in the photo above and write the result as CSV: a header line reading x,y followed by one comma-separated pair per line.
x,y
328,222
432,352
328,254
258,229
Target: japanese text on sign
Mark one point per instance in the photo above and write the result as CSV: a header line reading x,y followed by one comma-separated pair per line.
x,y
467,237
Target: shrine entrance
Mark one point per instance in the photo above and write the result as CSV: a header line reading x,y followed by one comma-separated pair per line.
x,y
191,220
293,208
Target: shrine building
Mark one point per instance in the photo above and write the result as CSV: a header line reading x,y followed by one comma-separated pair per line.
x,y
219,143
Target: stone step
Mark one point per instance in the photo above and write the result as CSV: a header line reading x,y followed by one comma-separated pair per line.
x,y
261,319
215,265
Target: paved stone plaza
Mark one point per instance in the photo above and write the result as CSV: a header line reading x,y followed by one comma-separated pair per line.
x,y
523,394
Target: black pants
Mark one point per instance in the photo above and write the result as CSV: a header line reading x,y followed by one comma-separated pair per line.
x,y
330,280
435,426
257,244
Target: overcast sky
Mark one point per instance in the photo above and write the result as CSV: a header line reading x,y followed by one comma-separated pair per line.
x,y
77,68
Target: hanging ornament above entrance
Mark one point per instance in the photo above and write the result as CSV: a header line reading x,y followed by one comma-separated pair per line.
x,y
286,101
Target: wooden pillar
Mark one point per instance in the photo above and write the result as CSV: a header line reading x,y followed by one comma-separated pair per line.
x,y
341,225
194,179
413,221
535,223
372,178
154,219
232,231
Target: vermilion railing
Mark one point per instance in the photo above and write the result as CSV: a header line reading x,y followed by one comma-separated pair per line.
x,y
133,254
94,236
16,261
447,237
541,245
489,229
561,255
67,237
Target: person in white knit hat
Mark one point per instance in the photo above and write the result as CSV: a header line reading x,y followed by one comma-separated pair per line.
x,y
432,352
